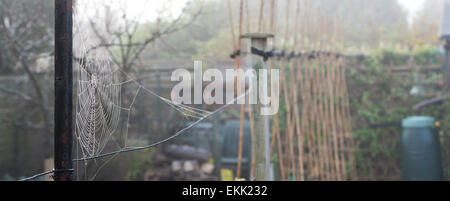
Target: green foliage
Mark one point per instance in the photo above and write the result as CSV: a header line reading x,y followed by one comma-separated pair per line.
x,y
379,100
445,139
139,163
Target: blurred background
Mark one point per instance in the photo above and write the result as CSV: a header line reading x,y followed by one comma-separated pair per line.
x,y
394,59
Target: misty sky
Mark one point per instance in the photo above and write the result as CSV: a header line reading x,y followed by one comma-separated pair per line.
x,y
149,8
412,6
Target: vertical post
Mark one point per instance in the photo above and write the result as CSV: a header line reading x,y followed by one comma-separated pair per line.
x,y
445,35
63,91
216,145
259,42
447,62
158,105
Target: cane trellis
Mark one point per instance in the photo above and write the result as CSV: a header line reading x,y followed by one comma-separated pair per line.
x,y
315,142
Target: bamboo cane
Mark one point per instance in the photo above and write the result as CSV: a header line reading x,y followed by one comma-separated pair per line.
x,y
252,133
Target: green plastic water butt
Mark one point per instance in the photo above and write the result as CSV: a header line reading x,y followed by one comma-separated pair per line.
x,y
230,144
421,153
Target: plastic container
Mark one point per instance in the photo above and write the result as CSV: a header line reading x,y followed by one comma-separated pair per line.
x,y
421,152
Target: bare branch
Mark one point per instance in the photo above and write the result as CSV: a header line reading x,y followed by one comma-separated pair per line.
x,y
17,93
130,51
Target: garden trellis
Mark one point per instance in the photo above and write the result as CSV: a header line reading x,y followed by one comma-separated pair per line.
x,y
315,142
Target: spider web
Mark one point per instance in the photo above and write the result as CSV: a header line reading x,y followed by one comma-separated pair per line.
x,y
106,104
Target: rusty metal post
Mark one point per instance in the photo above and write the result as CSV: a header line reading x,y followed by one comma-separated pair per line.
x,y
63,91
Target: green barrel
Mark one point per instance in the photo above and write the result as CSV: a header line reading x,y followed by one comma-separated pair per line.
x,y
421,153
230,146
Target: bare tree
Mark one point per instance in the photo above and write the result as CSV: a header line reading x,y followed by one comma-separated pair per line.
x,y
116,32
426,24
27,36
